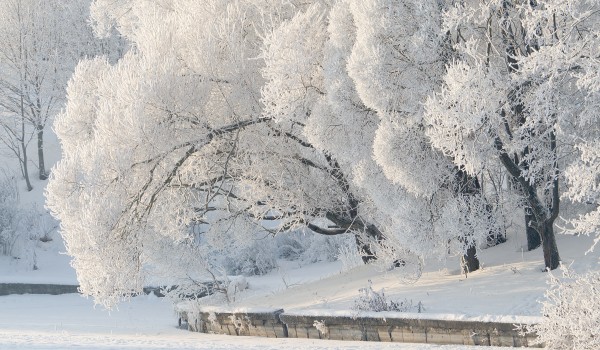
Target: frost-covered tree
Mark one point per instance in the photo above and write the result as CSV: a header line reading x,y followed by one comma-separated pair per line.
x,y
231,119
171,144
294,95
571,312
569,64
398,60
353,70
509,99
150,139
42,43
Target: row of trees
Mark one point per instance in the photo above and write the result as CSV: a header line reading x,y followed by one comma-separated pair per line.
x,y
411,125
43,40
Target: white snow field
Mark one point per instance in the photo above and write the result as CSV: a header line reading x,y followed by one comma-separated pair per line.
x,y
71,322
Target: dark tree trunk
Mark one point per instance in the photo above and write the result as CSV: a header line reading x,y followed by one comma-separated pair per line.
x,y
370,233
534,239
551,257
543,222
40,147
469,261
542,214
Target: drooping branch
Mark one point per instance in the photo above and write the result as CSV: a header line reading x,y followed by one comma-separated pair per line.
x,y
290,136
326,231
193,147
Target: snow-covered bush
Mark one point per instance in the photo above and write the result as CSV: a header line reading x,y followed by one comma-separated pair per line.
x,y
260,255
321,327
349,256
235,285
370,300
21,227
258,258
326,248
571,312
9,199
309,247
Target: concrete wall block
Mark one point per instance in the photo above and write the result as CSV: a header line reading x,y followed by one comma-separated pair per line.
x,y
481,337
352,333
397,334
266,330
414,335
280,325
26,288
384,333
213,327
208,327
371,333
444,336
243,331
229,329
280,331
270,331
275,330
335,333
501,339
301,331
257,331
528,340
313,333
468,337
292,331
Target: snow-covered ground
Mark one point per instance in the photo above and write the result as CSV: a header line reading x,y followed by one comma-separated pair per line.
x,y
70,322
508,287
53,266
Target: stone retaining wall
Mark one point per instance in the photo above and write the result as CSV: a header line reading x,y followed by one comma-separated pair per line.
x,y
405,330
25,288
260,324
56,289
277,324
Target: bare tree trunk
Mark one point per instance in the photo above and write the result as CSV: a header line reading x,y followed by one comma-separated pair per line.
x,y
40,147
24,148
24,158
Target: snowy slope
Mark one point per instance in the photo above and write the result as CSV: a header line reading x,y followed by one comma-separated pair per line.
x,y
510,283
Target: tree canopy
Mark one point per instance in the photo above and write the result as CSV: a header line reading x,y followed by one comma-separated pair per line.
x,y
416,127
